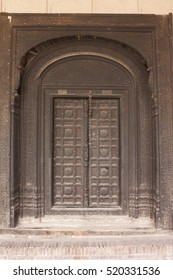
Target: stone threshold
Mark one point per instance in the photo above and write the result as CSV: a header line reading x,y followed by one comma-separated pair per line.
x,y
72,225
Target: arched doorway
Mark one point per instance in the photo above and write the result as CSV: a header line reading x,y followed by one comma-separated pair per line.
x,y
86,143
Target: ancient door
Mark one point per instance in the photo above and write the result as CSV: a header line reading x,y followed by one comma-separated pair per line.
x,y
86,135
86,152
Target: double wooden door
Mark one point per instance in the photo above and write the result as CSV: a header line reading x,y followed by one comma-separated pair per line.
x,y
86,152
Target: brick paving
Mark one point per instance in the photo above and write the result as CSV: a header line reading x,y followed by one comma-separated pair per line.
x,y
24,246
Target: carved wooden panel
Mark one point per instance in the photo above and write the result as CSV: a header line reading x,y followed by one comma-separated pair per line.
x,y
104,153
68,153
86,153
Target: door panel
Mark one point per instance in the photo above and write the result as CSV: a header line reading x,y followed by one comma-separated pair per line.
x,y
104,153
68,153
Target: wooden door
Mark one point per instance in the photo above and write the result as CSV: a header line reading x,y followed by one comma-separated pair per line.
x,y
86,158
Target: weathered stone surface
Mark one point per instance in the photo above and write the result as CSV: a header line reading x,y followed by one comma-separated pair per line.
x,y
4,121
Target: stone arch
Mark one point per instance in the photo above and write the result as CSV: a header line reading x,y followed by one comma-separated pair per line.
x,y
36,50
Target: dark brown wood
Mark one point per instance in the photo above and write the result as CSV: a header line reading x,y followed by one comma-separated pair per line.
x,y
104,150
86,148
68,159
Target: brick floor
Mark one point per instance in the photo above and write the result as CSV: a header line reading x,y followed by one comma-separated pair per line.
x,y
25,246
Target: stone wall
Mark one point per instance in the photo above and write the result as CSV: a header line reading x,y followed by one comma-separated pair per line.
x,y
4,122
87,6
